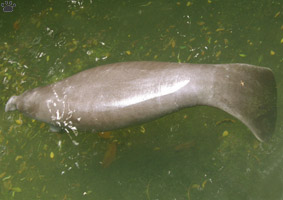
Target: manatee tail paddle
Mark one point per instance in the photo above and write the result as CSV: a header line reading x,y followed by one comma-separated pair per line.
x,y
250,96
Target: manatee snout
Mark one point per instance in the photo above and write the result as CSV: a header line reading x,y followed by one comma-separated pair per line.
x,y
11,104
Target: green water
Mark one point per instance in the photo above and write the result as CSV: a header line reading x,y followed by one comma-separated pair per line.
x,y
183,156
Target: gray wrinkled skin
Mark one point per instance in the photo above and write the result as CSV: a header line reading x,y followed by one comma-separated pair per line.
x,y
122,94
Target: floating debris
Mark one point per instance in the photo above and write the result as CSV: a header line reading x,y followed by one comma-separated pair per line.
x,y
226,41
147,190
225,121
277,14
16,189
23,167
250,43
185,146
220,29
156,148
19,122
142,129
272,53
52,155
189,3
6,178
225,133
16,25
109,155
147,4
18,158
218,54
42,125
173,43
196,186
106,135
204,183
2,174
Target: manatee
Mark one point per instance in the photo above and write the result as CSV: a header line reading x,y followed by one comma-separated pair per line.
x,y
119,95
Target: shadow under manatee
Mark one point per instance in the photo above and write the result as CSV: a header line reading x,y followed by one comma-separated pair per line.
x,y
169,143
174,154
165,160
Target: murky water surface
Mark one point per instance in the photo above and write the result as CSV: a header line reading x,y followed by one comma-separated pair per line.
x,y
190,154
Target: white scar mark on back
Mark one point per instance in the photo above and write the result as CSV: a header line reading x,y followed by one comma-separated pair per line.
x,y
58,114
